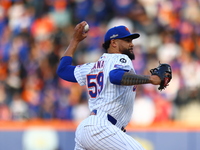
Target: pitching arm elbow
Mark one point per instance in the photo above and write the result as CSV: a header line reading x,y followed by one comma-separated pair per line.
x,y
65,70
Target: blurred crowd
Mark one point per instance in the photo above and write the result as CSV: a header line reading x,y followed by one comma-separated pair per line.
x,y
35,33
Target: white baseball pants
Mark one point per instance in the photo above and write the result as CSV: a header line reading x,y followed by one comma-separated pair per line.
x,y
97,133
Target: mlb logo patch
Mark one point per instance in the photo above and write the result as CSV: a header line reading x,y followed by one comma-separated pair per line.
x,y
118,66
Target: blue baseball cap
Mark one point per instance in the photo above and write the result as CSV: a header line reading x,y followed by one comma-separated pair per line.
x,y
119,32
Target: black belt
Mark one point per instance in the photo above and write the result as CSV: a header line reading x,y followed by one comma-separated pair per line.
x,y
110,118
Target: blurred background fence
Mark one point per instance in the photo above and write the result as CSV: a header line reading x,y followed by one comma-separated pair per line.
x,y
35,33
59,135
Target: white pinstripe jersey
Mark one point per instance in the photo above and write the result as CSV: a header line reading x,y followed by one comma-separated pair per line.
x,y
116,100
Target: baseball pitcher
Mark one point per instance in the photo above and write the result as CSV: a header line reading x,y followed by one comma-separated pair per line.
x,y
111,84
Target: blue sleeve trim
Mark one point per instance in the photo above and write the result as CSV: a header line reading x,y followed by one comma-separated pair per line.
x,y
65,70
116,76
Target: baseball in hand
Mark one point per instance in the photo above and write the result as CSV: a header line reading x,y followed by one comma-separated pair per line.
x,y
86,28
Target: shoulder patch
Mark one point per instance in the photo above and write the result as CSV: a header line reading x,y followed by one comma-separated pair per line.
x,y
123,60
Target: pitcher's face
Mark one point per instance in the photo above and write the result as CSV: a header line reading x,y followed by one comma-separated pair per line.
x,y
126,47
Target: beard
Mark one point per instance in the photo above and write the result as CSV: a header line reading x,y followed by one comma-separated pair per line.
x,y
130,54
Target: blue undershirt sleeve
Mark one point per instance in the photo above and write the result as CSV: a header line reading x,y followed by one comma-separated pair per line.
x,y
65,70
116,76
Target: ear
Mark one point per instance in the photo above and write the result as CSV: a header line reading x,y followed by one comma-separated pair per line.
x,y
113,43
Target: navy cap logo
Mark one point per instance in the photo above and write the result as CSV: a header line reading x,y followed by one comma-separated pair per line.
x,y
127,29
